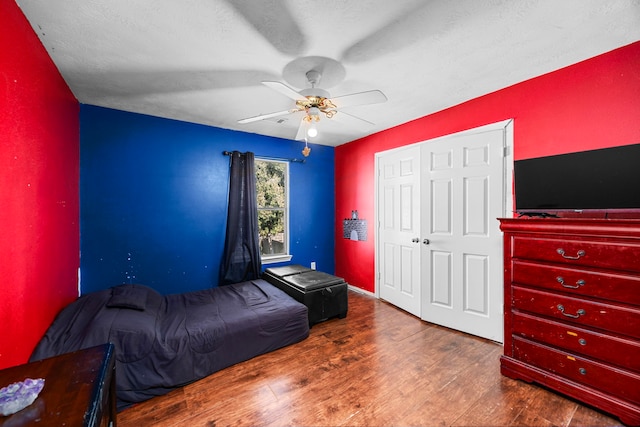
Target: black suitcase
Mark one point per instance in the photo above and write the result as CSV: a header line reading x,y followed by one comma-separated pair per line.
x,y
324,295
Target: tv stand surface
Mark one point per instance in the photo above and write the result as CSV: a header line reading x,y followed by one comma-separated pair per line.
x,y
537,215
581,213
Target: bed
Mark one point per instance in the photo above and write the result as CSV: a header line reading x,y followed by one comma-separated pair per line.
x,y
164,342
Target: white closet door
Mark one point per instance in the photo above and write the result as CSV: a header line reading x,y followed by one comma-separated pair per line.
x,y
438,241
462,196
399,228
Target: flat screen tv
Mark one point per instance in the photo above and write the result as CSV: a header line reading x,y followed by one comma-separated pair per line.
x,y
603,180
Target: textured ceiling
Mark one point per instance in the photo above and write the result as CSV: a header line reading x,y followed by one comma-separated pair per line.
x,y
203,61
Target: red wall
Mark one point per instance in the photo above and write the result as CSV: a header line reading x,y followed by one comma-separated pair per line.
x,y
39,175
589,105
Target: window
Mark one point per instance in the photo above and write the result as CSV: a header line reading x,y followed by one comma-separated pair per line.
x,y
272,185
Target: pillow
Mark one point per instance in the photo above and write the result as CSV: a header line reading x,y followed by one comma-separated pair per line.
x,y
128,296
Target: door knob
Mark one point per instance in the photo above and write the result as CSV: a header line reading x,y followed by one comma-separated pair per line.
x,y
426,241
415,240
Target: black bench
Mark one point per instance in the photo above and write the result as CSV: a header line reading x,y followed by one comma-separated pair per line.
x,y
324,295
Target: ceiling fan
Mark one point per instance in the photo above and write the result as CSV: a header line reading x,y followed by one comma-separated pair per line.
x,y
315,102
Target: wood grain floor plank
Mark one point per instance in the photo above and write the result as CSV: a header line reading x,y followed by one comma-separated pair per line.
x,y
380,366
586,416
451,397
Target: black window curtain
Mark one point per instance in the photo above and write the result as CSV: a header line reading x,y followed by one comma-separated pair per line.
x,y
241,257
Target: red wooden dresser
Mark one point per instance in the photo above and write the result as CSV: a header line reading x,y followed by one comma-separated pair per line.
x,y
572,309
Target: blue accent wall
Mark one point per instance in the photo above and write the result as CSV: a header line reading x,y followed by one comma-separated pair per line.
x,y
153,198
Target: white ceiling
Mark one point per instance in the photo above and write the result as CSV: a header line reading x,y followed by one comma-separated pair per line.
x,y
202,61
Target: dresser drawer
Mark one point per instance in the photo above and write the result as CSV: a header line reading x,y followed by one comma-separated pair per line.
x,y
623,288
609,317
617,382
612,255
607,348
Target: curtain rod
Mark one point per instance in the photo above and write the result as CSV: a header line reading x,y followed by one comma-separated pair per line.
x,y
229,153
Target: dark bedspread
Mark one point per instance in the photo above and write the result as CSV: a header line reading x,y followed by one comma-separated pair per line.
x,y
162,342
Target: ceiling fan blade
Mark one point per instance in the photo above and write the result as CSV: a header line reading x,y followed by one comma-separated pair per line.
x,y
350,119
265,116
411,26
361,98
283,89
273,20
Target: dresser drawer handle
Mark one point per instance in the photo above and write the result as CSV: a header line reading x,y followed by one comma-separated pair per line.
x,y
580,253
579,313
583,371
579,283
582,341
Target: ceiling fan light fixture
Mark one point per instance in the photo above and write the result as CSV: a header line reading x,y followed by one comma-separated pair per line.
x,y
312,117
312,131
314,101
314,114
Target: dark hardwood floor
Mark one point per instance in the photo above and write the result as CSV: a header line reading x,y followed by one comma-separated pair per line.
x,y
378,367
